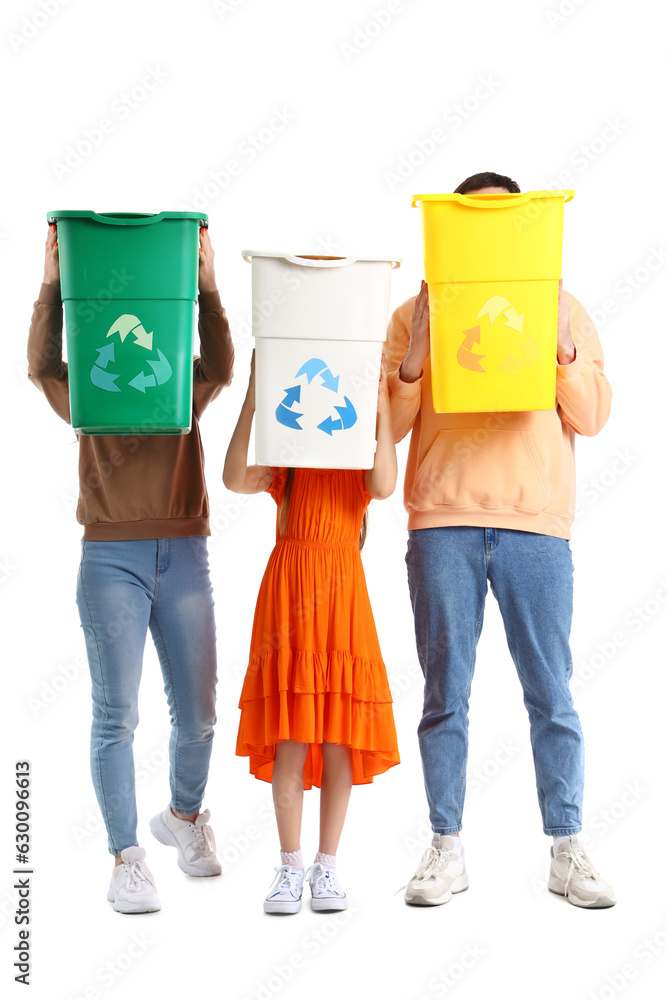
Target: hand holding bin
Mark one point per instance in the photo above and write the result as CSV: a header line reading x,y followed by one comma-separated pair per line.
x,y
129,286
319,324
492,263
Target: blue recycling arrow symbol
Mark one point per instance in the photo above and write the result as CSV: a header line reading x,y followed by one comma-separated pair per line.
x,y
285,414
348,417
315,366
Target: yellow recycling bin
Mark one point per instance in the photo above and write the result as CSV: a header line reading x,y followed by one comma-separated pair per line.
x,y
492,263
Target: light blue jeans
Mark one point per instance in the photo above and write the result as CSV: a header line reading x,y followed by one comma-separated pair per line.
x,y
531,578
125,588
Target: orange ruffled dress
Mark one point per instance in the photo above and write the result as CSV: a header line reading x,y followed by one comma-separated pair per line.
x,y
315,670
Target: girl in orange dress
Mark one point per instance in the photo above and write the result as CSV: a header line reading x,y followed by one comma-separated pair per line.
x,y
316,708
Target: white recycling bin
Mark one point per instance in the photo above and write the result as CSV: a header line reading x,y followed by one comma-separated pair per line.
x,y
319,324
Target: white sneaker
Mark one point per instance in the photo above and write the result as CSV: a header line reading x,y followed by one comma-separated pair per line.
x,y
194,842
572,875
440,873
285,893
325,893
132,888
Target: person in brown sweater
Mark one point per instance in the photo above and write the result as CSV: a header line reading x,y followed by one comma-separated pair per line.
x,y
144,509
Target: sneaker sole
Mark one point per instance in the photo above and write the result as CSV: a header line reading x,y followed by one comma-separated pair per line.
x,y
557,886
328,905
460,884
278,906
126,907
161,832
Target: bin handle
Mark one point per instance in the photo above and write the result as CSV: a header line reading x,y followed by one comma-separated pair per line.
x,y
121,220
308,261
494,200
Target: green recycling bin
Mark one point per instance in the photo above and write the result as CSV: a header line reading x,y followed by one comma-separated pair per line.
x,y
129,287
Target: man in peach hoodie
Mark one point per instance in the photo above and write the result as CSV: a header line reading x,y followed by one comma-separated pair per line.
x,y
490,498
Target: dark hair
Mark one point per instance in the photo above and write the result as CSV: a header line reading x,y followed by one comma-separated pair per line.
x,y
487,179
284,510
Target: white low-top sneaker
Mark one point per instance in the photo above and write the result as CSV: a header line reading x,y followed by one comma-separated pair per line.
x,y
194,841
132,889
572,875
325,893
440,873
285,893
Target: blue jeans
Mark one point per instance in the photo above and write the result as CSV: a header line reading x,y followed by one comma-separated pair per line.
x,y
125,588
531,578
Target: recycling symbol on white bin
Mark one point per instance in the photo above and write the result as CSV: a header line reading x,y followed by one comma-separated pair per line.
x,y
347,415
105,379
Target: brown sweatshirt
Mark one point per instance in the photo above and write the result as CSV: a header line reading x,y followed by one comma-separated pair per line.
x,y
136,486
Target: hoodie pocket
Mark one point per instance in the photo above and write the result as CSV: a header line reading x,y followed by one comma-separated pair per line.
x,y
475,467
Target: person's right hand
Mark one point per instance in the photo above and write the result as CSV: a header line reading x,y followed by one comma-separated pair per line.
x,y
51,262
420,338
250,394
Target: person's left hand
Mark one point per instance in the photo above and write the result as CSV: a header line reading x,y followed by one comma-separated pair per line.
x,y
566,349
206,268
383,389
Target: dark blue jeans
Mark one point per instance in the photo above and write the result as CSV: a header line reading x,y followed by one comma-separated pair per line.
x,y
531,578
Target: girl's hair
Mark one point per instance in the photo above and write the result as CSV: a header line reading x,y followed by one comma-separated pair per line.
x,y
284,510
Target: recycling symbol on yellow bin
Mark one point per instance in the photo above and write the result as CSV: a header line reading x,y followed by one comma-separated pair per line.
x,y
103,378
523,354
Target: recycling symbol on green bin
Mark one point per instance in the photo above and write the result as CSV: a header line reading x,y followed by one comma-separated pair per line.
x,y
105,378
346,414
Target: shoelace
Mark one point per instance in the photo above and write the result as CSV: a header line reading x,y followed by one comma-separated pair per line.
x,y
288,883
432,860
325,881
205,841
136,874
581,864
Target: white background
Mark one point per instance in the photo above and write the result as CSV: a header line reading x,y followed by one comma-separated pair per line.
x,y
553,84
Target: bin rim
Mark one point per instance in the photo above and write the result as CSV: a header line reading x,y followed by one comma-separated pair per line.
x,y
319,260
125,218
494,200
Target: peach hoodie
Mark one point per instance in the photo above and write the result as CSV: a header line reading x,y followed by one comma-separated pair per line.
x,y
497,470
